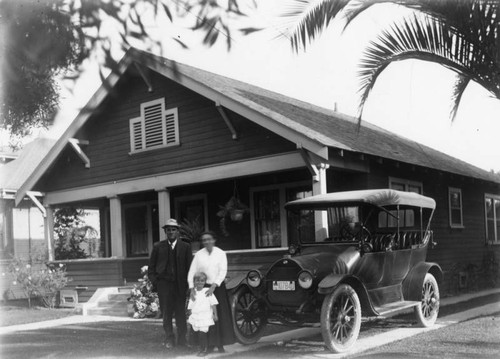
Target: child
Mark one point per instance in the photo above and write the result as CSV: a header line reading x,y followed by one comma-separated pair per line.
x,y
202,311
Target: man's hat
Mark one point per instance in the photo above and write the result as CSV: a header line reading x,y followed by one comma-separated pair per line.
x,y
171,223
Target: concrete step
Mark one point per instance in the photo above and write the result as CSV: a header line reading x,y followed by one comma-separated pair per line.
x,y
122,297
107,304
115,312
126,289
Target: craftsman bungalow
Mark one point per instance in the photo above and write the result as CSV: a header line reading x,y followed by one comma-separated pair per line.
x,y
161,139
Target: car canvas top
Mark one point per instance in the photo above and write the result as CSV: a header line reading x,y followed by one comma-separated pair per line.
x,y
376,197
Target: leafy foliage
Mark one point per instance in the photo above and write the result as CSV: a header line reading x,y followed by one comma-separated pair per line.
x,y
38,278
42,39
233,209
462,35
191,230
71,233
145,300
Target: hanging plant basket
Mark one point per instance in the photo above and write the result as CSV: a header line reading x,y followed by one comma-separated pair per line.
x,y
234,209
237,215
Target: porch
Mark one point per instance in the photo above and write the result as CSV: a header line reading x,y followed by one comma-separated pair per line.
x,y
131,214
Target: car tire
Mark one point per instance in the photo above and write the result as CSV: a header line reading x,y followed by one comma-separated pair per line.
x,y
249,316
426,312
341,319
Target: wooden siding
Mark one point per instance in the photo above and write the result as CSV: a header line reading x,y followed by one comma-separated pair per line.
x,y
117,272
93,274
204,137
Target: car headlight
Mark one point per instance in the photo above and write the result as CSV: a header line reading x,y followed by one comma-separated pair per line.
x,y
305,279
293,249
254,278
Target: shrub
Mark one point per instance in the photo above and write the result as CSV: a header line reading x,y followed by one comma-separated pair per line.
x,y
145,301
38,279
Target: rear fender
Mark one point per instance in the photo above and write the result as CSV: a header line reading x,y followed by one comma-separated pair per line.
x,y
332,281
412,285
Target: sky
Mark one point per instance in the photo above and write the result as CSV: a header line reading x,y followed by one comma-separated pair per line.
x,y
411,98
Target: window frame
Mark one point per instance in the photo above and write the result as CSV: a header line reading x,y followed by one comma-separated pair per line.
x,y
407,183
149,225
496,240
194,197
142,121
450,191
283,218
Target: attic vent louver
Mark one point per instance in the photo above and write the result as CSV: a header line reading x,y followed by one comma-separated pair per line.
x,y
156,128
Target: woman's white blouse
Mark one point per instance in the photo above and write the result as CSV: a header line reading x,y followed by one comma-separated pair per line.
x,y
214,265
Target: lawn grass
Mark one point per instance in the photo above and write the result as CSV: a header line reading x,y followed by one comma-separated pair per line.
x,y
19,313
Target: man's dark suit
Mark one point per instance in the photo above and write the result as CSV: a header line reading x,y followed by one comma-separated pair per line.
x,y
171,290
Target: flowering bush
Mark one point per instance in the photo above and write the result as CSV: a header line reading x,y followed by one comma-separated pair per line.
x,y
145,301
38,279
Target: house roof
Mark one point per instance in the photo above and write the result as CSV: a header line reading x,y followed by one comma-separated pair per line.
x,y
15,173
326,127
377,197
311,127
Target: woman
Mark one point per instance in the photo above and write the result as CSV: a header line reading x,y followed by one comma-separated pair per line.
x,y
212,261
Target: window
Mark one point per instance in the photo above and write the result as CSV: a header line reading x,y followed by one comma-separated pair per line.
x,y
492,209
390,220
141,228
157,127
192,209
267,218
270,225
405,185
455,207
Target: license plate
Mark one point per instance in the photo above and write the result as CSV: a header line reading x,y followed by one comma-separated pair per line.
x,y
283,285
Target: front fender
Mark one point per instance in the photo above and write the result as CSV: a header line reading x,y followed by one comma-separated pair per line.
x,y
412,284
236,281
331,281
328,283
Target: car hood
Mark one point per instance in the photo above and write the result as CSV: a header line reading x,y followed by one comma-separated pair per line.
x,y
327,259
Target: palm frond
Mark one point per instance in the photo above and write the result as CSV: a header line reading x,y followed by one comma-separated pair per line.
x,y
430,39
310,18
458,90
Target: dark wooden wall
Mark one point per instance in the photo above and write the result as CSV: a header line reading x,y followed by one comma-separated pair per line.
x,y
204,136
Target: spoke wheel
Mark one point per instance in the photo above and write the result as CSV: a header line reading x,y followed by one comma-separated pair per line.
x,y
341,319
427,310
249,316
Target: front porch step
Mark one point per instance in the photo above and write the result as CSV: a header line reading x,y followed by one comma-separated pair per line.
x,y
115,312
114,303
119,297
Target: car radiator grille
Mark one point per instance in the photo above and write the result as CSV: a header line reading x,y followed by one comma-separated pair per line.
x,y
285,271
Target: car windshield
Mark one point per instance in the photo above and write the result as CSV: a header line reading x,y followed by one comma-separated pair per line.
x,y
345,223
351,222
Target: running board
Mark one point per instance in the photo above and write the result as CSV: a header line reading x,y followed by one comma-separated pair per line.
x,y
395,307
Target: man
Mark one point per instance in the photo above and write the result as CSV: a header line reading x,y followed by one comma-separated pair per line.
x,y
168,270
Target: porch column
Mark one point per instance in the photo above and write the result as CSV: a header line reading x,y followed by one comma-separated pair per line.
x,y
163,207
49,231
320,218
118,242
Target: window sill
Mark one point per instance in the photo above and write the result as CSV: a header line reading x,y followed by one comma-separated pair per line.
x,y
457,227
131,153
491,243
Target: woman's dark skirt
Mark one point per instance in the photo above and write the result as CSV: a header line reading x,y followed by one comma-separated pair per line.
x,y
222,332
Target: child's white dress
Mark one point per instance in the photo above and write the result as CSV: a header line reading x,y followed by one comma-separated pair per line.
x,y
201,317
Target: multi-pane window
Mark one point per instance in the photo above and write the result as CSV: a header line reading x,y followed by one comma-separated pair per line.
x,y
267,210
400,184
455,207
492,208
156,127
270,225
